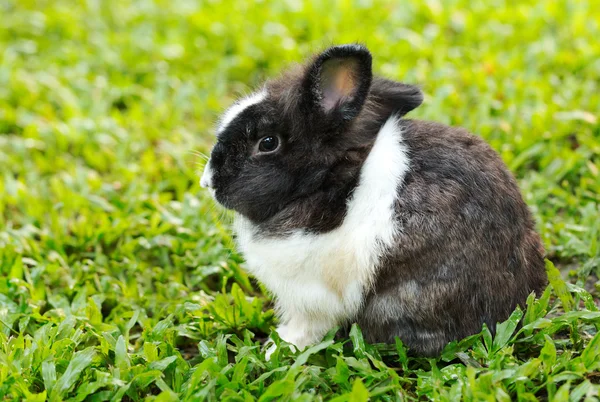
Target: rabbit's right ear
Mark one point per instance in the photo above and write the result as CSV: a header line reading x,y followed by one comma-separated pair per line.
x,y
337,82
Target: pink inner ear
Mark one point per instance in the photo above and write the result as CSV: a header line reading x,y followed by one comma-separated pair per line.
x,y
331,99
338,82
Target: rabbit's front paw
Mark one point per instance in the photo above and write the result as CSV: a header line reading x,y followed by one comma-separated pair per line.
x,y
299,334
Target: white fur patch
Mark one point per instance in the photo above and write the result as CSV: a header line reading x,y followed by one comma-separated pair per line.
x,y
207,174
238,107
319,280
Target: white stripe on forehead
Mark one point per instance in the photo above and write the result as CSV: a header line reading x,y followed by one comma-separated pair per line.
x,y
238,107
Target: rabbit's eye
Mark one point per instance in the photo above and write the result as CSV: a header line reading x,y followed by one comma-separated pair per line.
x,y
268,144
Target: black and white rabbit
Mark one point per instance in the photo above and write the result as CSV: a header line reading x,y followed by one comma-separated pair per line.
x,y
349,213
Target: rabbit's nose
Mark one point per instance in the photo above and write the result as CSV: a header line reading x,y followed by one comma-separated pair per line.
x,y
206,180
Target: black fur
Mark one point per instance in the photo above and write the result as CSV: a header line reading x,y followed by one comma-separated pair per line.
x,y
467,252
306,183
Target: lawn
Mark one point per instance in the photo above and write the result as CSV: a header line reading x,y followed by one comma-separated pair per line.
x,y
118,274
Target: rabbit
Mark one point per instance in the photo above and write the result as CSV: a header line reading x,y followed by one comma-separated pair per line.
x,y
350,213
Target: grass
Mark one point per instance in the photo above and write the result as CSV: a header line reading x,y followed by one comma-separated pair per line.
x,y
117,275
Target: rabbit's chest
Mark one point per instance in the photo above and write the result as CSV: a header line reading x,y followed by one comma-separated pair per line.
x,y
309,273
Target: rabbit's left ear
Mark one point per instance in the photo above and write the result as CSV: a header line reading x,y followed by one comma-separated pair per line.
x,y
337,82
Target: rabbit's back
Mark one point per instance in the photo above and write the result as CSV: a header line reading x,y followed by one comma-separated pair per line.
x,y
466,251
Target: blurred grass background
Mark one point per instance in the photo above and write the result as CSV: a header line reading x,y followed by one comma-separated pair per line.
x,y
111,255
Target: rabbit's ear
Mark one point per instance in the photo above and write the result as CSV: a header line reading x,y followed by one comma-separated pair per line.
x,y
338,80
395,97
